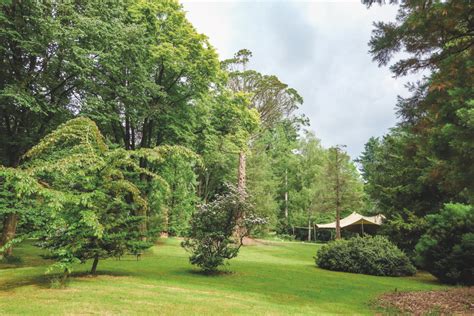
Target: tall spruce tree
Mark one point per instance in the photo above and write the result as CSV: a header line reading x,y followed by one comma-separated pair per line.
x,y
428,159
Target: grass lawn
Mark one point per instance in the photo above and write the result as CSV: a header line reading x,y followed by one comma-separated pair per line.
x,y
280,278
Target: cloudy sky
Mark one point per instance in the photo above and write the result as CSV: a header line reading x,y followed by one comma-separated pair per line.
x,y
320,49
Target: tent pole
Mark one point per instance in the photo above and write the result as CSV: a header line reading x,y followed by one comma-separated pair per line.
x,y
362,227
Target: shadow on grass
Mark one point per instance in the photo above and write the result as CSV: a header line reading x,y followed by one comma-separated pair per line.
x,y
41,281
218,273
11,260
23,261
47,281
420,276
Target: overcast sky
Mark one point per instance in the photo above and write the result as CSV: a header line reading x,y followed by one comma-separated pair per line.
x,y
320,49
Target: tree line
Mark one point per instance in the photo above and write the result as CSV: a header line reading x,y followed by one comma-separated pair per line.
x,y
118,119
420,174
427,159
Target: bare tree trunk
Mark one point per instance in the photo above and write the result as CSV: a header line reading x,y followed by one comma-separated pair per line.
x,y
241,172
309,230
8,233
94,264
286,193
338,197
127,132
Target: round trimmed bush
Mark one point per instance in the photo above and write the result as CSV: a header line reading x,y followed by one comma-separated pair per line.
x,y
367,255
446,250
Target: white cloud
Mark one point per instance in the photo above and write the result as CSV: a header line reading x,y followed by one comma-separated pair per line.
x,y
320,49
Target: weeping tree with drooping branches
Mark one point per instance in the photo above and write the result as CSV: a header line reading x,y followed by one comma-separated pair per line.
x,y
102,208
98,202
20,193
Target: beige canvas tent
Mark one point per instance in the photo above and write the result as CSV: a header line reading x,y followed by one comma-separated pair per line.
x,y
356,222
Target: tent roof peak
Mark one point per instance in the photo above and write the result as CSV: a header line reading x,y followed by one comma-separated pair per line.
x,y
355,219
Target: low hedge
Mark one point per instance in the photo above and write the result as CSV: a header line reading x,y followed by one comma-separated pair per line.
x,y
367,255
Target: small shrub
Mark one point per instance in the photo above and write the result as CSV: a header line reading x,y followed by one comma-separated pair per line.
x,y
446,250
367,255
218,228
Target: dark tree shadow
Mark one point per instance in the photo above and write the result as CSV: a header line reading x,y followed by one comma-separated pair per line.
x,y
99,273
45,281
217,273
41,281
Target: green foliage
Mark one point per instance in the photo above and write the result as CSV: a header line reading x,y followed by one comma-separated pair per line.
x,y
291,179
48,52
428,33
19,194
367,255
134,67
178,169
224,128
218,228
427,160
101,208
312,184
263,185
155,67
446,250
273,99
397,179
103,196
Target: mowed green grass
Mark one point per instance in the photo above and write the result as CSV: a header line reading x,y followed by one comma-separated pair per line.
x,y
274,279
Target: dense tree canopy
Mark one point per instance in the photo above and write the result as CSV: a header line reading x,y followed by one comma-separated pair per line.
x,y
118,124
428,159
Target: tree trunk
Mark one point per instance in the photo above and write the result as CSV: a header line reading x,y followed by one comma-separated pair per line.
x,y
338,218
238,231
94,264
127,133
338,223
64,277
286,193
10,220
242,172
338,197
9,229
309,230
165,220
142,226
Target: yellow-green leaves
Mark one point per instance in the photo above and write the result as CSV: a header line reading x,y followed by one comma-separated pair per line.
x,y
90,219
80,134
